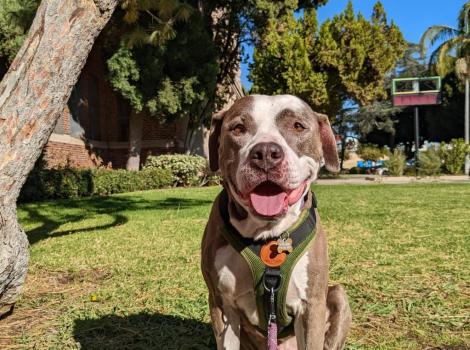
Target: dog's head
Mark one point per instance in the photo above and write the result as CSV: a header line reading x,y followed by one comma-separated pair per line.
x,y
269,149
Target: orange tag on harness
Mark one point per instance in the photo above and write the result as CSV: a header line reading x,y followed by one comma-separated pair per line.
x,y
270,256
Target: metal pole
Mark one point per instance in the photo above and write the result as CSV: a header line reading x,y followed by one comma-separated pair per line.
x,y
467,123
416,139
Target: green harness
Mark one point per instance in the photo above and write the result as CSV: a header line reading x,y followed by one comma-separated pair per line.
x,y
301,233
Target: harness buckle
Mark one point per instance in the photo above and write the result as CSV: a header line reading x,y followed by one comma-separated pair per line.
x,y
272,279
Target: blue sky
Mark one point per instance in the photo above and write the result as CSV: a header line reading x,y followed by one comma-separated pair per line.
x,y
412,16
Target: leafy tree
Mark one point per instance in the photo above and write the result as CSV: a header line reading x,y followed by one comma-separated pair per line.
x,y
16,17
409,65
357,55
282,62
376,116
346,59
166,70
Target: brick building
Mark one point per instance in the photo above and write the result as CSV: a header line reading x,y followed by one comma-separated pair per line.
x,y
93,129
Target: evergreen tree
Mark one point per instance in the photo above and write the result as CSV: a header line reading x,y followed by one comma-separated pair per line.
x,y
346,59
359,55
282,61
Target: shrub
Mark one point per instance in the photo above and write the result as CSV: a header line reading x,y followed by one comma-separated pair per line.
x,y
453,155
117,181
71,183
396,163
187,170
371,152
410,171
56,183
429,162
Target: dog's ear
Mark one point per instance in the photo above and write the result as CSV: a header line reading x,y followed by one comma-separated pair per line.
x,y
328,141
214,140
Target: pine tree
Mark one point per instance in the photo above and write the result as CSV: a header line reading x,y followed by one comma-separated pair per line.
x,y
346,59
282,61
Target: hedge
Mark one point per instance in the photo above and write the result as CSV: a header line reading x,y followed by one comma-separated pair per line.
x,y
72,183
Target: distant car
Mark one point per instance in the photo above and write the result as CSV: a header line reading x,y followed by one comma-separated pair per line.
x,y
370,164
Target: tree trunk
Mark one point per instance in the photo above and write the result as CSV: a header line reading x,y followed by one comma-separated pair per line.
x,y
33,94
343,152
467,123
136,123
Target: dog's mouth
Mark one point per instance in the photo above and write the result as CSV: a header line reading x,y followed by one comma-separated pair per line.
x,y
271,200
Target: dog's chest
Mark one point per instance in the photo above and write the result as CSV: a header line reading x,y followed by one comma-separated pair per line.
x,y
235,284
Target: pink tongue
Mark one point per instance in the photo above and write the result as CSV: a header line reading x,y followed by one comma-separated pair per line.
x,y
268,201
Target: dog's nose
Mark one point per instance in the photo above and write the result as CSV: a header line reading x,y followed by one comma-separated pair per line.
x,y
266,155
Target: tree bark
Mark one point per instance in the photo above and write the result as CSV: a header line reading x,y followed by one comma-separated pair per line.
x,y
136,123
33,94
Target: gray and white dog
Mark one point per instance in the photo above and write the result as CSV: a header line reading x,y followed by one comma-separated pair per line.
x,y
280,143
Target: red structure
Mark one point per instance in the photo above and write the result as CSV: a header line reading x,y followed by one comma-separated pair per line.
x,y
420,99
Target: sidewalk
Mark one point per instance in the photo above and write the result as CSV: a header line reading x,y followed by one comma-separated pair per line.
x,y
376,179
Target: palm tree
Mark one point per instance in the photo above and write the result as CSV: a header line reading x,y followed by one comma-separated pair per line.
x,y
453,54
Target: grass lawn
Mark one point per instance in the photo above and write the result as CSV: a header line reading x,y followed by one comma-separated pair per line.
x,y
122,272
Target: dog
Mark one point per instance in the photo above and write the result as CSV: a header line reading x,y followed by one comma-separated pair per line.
x,y
269,150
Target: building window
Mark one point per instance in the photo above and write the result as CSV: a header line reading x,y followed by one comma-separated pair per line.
x,y
59,127
84,105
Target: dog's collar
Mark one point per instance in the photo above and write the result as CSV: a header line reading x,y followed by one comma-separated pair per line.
x,y
301,233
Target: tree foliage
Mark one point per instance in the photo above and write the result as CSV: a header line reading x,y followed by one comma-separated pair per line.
x,y
16,17
282,60
166,62
346,59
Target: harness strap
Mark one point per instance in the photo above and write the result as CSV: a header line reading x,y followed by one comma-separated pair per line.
x,y
264,277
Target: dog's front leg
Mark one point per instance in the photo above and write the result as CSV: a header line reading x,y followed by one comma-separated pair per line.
x,y
310,325
339,318
230,337
226,325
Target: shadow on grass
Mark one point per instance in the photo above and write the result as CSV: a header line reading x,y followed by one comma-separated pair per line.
x,y
143,331
51,219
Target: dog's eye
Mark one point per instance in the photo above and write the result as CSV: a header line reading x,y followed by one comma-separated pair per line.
x,y
238,129
299,127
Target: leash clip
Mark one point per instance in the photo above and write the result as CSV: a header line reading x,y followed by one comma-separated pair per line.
x,y
272,305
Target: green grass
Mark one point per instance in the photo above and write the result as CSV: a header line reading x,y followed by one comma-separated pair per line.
x,y
122,272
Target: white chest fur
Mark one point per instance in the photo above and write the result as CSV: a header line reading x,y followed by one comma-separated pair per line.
x,y
236,286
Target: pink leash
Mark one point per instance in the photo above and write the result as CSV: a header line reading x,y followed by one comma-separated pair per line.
x,y
272,335
272,326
